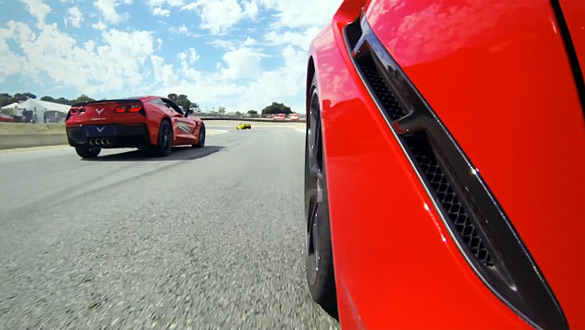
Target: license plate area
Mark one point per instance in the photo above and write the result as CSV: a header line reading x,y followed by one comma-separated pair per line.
x,y
100,130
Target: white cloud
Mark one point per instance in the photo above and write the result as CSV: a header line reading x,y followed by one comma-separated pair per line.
x,y
75,17
163,73
170,3
108,10
10,63
193,56
283,84
242,63
183,29
302,13
99,26
38,9
190,54
233,44
218,16
115,63
158,11
300,39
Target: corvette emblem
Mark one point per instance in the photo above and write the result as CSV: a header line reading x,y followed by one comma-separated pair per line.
x,y
101,129
99,111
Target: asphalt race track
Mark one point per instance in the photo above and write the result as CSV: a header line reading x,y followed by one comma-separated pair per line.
x,y
205,238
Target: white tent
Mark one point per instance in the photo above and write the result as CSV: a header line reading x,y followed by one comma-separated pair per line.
x,y
53,110
10,106
31,104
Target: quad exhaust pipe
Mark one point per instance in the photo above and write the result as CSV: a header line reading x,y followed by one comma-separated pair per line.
x,y
101,142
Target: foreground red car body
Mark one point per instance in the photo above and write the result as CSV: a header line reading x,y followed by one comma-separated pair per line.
x,y
492,93
143,122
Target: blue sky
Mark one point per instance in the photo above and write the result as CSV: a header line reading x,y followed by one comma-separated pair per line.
x,y
241,54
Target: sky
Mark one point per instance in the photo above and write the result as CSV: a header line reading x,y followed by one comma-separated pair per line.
x,y
240,54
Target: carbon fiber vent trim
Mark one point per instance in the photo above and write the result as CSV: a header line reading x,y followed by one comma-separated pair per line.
x,y
353,32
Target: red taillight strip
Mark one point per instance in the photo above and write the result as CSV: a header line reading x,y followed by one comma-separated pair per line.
x,y
128,108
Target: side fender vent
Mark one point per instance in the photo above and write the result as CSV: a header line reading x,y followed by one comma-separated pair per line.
x,y
468,209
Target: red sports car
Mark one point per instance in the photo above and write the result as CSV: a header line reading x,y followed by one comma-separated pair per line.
x,y
6,119
149,122
445,164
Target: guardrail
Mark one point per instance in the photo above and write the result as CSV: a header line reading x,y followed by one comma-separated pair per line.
x,y
31,140
269,120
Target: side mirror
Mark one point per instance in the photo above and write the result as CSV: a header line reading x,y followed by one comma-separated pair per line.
x,y
188,112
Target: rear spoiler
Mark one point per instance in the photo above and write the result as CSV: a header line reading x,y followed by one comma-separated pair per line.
x,y
80,104
119,101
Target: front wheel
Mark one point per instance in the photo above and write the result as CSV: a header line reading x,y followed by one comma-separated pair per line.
x,y
201,138
319,257
87,152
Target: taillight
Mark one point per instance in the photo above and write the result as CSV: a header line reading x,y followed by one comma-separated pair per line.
x,y
135,108
75,111
128,108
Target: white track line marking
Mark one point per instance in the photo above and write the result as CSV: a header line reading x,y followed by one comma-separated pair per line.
x,y
212,132
302,130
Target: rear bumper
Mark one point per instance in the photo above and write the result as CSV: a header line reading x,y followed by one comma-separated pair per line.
x,y
109,136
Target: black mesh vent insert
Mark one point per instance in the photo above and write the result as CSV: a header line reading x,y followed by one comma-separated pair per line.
x,y
425,158
353,32
379,87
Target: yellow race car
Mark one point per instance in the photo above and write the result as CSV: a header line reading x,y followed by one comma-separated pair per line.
x,y
244,126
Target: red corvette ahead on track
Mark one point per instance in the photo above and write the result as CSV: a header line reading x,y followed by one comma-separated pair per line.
x,y
143,122
445,164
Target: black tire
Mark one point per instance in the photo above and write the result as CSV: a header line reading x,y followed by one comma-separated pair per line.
x,y
201,139
319,257
165,139
87,152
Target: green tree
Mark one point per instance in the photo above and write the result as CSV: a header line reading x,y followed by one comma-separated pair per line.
x,y
173,97
63,100
238,114
82,99
183,101
47,98
252,112
221,110
276,107
20,97
29,95
6,99
194,106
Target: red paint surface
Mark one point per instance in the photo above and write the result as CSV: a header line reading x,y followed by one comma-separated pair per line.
x,y
497,74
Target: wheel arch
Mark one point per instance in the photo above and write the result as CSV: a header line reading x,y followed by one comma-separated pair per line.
x,y
156,130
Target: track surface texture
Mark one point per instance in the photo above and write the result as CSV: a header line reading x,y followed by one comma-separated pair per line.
x,y
203,239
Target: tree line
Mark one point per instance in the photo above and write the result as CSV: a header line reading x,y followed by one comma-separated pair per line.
x,y
180,99
6,98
